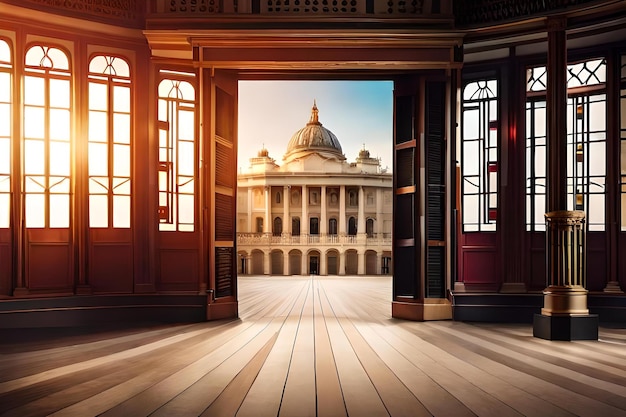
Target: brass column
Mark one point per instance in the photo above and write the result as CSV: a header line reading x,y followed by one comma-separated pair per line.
x,y
565,315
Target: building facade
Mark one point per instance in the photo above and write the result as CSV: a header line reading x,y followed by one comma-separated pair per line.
x,y
316,213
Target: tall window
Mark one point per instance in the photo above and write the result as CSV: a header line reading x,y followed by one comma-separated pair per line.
x,y
623,139
586,143
369,227
177,155
6,71
295,226
109,142
332,226
352,226
479,159
314,226
278,226
47,141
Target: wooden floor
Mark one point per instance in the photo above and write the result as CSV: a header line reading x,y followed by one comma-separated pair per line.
x,y
306,347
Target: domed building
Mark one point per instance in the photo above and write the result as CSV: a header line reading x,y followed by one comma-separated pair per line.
x,y
316,213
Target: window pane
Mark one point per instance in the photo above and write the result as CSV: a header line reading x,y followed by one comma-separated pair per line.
x,y
4,210
98,98
121,161
98,211
98,126
121,128
186,125
98,159
35,210
5,156
34,155
34,91
121,211
60,93
59,158
186,158
121,99
186,214
59,210
5,84
59,124
5,119
34,122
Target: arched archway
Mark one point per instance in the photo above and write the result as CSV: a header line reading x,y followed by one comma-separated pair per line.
x,y
352,262
332,262
295,262
314,263
257,262
370,263
276,262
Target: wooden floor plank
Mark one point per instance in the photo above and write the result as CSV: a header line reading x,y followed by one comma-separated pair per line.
x,y
359,393
265,395
329,395
299,393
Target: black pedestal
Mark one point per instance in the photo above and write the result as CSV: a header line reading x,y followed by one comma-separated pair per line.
x,y
566,327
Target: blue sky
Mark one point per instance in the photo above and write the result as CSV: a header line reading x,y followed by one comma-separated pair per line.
x,y
357,112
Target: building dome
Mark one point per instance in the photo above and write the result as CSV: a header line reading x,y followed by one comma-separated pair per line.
x,y
314,138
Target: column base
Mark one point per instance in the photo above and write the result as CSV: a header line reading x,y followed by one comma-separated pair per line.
x,y
513,288
430,309
613,287
459,287
569,328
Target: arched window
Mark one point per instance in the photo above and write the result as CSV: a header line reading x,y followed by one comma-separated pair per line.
x,y
259,224
278,198
278,226
479,157
109,142
6,74
352,226
295,226
47,138
177,155
369,227
332,226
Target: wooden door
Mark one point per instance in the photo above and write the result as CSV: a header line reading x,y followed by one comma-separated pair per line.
x,y
420,260
220,88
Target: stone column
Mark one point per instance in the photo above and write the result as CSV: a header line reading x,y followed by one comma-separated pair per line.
x,y
360,270
342,263
304,222
379,213
286,263
250,219
379,263
342,210
323,265
323,220
360,229
266,263
304,266
286,214
267,226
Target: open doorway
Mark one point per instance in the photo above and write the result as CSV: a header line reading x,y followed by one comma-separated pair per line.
x,y
314,162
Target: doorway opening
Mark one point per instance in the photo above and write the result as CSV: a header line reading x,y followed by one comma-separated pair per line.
x,y
314,162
